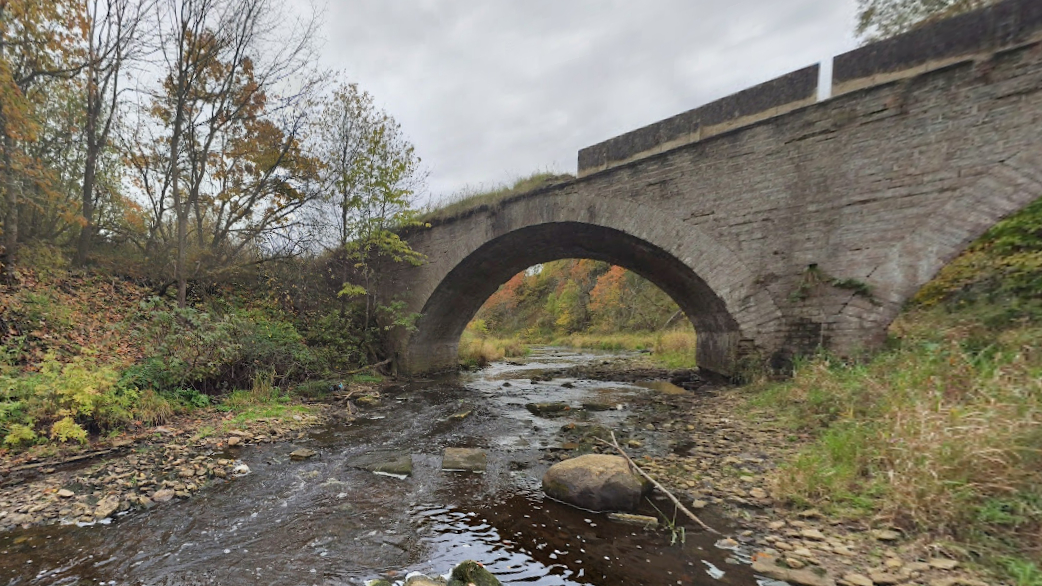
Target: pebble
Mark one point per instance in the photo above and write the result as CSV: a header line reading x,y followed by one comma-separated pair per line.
x,y
943,563
66,493
813,534
858,580
886,534
884,578
795,563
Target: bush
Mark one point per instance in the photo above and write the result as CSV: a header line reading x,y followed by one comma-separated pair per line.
x,y
193,349
68,399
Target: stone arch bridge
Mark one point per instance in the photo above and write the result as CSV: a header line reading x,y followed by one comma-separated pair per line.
x,y
779,222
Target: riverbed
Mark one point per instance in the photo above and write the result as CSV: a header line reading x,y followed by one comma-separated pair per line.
x,y
327,520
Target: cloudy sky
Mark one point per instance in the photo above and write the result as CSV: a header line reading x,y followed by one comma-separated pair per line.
x,y
490,90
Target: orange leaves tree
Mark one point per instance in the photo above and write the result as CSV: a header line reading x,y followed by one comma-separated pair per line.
x,y
219,154
39,43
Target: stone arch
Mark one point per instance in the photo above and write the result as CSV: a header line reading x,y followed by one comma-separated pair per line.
x,y
1006,188
711,285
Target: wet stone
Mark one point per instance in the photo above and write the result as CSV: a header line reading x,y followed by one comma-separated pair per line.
x,y
302,454
464,460
548,409
387,463
471,573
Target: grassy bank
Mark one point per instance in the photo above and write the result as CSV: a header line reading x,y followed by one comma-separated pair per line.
x,y
672,349
473,198
940,435
476,350
87,356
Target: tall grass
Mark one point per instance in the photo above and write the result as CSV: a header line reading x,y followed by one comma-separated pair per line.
x,y
672,348
479,350
941,434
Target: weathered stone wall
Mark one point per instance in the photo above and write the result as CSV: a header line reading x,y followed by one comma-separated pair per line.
x,y
878,187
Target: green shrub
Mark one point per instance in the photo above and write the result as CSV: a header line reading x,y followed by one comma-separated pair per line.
x,y
193,349
80,393
19,434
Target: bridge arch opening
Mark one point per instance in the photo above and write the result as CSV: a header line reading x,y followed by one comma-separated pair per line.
x,y
461,293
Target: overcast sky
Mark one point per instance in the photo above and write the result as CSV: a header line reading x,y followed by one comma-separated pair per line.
x,y
490,90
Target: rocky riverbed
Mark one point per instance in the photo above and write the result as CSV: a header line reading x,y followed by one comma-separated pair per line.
x,y
297,501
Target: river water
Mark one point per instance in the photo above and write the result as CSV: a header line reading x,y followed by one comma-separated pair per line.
x,y
326,521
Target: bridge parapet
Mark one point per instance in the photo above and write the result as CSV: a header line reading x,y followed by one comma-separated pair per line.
x,y
970,36
767,100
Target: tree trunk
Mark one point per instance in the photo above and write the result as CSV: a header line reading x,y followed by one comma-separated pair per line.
x,y
10,188
83,246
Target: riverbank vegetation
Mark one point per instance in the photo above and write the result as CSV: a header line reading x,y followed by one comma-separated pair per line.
x,y
204,236
580,303
939,435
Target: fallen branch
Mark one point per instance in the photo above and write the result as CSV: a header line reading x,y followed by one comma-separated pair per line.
x,y
370,367
71,460
615,444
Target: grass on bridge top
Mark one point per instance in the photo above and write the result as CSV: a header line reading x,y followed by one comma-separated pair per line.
x,y
470,198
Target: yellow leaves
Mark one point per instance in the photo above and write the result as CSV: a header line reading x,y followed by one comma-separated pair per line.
x,y
66,429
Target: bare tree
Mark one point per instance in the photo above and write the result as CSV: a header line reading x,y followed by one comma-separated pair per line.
x,y
113,37
230,115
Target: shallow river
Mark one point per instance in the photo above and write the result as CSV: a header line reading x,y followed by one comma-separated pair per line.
x,y
324,521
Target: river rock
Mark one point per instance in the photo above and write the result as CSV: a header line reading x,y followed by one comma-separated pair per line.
x,y
547,409
596,482
66,493
106,507
162,496
884,578
302,454
471,573
886,535
767,566
392,463
463,460
943,563
858,580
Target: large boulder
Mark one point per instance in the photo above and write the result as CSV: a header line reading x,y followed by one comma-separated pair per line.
x,y
596,482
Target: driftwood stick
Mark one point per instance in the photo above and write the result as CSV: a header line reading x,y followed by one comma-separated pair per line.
x,y
615,444
78,458
370,367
